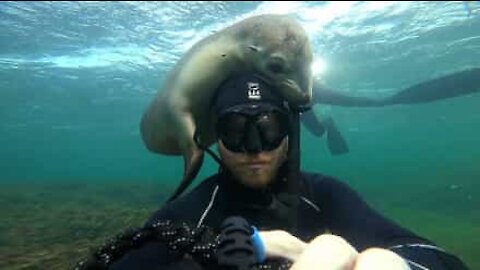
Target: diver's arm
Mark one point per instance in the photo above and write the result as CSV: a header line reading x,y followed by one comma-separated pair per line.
x,y
352,218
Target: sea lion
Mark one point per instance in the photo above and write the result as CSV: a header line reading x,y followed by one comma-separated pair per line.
x,y
276,47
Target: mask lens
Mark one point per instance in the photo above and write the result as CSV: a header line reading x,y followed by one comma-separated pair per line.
x,y
273,128
233,130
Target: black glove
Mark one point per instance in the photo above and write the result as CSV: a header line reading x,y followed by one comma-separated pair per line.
x,y
236,250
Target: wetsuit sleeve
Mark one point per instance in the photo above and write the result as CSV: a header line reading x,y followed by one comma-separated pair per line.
x,y
349,216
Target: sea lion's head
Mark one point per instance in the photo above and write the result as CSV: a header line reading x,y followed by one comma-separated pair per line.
x,y
279,49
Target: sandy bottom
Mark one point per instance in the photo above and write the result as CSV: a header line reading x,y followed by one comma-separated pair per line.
x,y
53,225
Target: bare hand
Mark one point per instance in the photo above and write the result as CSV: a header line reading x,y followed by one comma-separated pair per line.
x,y
328,252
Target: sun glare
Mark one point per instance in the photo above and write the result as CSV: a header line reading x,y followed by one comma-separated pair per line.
x,y
318,66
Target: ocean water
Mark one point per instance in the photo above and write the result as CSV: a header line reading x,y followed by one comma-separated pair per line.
x,y
75,78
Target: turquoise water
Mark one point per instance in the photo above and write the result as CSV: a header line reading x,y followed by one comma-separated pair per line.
x,y
76,77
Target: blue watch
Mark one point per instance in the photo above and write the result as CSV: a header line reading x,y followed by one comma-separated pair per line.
x,y
258,245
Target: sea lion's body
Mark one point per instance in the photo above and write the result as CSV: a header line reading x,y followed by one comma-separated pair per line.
x,y
274,46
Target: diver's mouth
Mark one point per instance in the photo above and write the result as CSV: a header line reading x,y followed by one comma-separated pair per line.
x,y
255,163
256,166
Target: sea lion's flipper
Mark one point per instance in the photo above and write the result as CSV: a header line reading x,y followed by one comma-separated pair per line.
x,y
192,154
452,85
192,166
312,123
324,95
335,141
293,93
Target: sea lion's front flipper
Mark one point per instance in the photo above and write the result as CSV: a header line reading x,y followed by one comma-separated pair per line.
x,y
192,154
192,166
293,93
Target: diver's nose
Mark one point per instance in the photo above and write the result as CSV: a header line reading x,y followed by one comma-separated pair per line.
x,y
253,142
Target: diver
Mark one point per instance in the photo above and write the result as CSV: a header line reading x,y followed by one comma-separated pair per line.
x,y
313,221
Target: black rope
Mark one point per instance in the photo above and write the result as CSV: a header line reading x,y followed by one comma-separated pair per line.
x,y
179,239
200,243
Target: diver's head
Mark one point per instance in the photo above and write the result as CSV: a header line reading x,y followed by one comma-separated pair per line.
x,y
251,127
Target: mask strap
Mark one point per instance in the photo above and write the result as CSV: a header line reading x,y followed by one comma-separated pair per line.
x,y
196,139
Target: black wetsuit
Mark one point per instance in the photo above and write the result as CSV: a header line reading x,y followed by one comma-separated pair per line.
x,y
325,205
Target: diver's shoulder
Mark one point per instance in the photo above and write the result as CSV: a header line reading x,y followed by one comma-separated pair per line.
x,y
202,190
317,177
187,206
319,181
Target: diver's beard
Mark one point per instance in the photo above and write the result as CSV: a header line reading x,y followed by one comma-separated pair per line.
x,y
256,178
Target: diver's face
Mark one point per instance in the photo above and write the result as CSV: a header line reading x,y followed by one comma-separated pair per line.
x,y
254,170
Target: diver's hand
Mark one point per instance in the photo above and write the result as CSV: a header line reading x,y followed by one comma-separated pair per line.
x,y
327,252
380,259
331,252
282,244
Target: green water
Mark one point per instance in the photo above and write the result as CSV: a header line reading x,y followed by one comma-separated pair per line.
x,y
417,164
75,79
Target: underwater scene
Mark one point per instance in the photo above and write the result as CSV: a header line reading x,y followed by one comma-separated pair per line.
x,y
76,78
